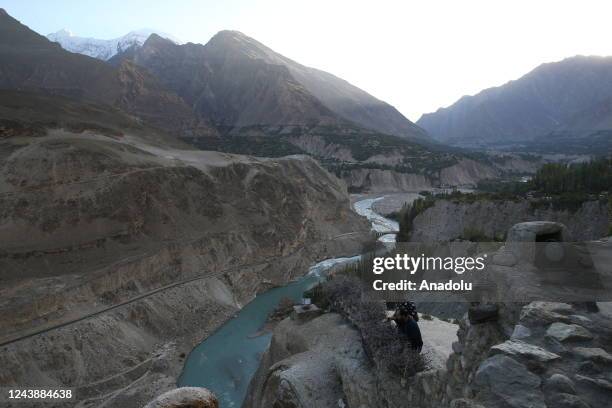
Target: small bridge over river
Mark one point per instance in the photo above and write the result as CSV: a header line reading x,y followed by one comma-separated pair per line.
x,y
379,234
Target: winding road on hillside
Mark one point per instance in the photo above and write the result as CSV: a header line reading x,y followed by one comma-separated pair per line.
x,y
153,292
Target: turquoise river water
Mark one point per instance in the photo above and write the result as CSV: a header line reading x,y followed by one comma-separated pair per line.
x,y
226,361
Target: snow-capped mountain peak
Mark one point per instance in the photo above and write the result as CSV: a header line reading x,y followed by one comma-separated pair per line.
x,y
103,49
63,33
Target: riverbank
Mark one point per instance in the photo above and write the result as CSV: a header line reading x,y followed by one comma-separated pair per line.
x,y
322,362
227,359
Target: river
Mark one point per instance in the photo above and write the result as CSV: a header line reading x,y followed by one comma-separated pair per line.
x,y
379,223
226,361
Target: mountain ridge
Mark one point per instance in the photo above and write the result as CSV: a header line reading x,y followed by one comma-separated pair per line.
x,y
552,97
316,92
29,61
100,48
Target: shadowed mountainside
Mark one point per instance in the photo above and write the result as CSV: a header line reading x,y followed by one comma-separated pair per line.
x,y
571,97
241,82
29,61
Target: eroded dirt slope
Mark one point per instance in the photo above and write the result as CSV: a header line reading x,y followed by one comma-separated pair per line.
x,y
173,240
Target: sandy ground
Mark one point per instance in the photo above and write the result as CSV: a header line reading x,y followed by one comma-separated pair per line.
x,y
389,203
438,337
394,202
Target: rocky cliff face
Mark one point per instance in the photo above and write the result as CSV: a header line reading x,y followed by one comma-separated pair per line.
x,y
377,180
542,354
465,172
448,220
141,249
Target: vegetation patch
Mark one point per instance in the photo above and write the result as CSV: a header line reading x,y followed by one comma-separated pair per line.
x,y
363,144
409,213
592,177
555,186
560,186
385,349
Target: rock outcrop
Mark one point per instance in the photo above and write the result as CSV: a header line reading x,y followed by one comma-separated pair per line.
x,y
377,180
305,365
467,173
464,173
541,359
322,363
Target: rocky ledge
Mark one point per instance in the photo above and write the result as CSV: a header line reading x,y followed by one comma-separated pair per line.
x,y
321,362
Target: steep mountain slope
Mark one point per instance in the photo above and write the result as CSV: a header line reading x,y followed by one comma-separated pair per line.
x,y
570,95
35,113
157,243
28,61
102,49
241,82
231,85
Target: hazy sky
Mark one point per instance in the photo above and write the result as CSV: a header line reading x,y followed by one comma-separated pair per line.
x,y
416,55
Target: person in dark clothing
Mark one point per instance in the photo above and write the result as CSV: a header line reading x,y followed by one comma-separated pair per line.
x,y
407,305
408,328
411,308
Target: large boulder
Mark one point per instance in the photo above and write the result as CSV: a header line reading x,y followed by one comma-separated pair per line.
x,y
504,381
530,231
566,332
594,354
313,363
566,401
185,397
523,350
522,237
559,383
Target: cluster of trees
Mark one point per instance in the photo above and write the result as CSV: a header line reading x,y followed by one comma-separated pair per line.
x,y
556,185
592,177
407,215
